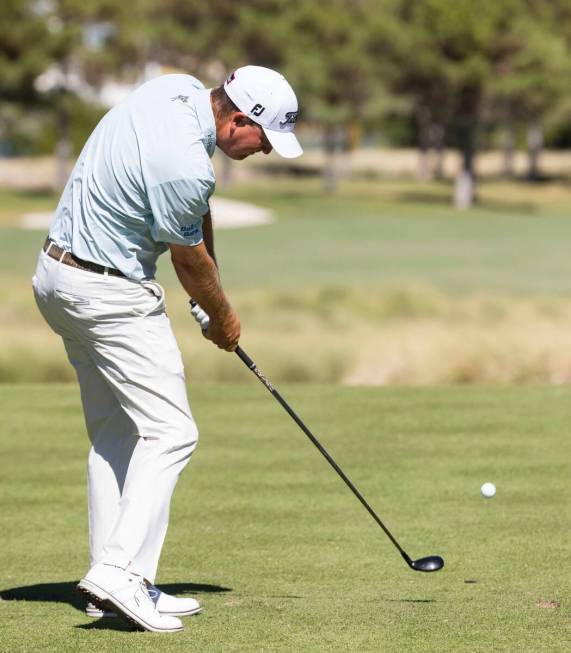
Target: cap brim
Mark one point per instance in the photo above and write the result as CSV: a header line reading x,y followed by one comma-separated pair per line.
x,y
284,143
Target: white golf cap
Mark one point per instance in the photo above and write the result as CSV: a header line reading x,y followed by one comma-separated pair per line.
x,y
265,96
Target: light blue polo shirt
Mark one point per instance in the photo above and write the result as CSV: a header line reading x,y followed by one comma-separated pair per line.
x,y
143,179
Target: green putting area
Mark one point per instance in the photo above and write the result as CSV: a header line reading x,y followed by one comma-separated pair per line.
x,y
280,553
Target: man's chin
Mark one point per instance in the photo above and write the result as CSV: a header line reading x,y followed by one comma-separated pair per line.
x,y
240,156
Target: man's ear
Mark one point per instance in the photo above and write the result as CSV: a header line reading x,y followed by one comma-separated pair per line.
x,y
239,119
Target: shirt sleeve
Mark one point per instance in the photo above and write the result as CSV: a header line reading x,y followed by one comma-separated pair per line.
x,y
178,207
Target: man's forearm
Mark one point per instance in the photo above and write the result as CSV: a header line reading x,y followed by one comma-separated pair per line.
x,y
198,274
208,235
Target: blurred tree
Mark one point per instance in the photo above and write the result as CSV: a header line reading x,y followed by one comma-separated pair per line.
x,y
55,51
211,39
454,65
326,64
414,71
318,46
531,84
354,61
25,51
91,41
444,54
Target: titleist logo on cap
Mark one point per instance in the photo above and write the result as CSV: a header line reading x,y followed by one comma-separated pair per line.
x,y
290,119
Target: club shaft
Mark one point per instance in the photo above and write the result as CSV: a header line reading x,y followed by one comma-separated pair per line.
x,y
253,367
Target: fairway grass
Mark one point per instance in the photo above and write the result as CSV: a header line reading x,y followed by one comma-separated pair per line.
x,y
277,549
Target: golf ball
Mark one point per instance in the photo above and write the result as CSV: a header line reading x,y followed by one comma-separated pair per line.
x,y
488,490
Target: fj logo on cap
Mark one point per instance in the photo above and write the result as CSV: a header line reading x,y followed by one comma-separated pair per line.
x,y
257,110
290,119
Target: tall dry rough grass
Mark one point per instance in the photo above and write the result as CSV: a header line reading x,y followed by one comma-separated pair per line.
x,y
405,335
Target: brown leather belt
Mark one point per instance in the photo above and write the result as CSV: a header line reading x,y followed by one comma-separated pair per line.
x,y
75,262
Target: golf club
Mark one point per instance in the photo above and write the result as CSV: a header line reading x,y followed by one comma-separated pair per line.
x,y
430,563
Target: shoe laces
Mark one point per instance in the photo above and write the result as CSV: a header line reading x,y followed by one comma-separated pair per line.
x,y
153,591
142,589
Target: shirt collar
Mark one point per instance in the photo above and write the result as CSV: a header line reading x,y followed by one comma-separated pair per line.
x,y
206,120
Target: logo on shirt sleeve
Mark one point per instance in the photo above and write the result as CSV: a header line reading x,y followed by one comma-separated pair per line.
x,y
180,98
190,231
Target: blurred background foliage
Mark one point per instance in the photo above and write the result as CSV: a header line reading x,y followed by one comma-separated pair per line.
x,y
432,74
368,275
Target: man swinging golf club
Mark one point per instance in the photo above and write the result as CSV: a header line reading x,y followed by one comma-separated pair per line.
x,y
141,186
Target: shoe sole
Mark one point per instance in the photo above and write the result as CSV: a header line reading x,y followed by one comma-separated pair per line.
x,y
182,614
100,596
100,614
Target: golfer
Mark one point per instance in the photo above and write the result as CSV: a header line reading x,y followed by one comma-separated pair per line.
x,y
139,188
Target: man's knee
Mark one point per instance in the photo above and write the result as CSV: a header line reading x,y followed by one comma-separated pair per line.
x,y
180,435
189,435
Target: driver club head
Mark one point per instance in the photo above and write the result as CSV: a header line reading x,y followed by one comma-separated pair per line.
x,y
431,563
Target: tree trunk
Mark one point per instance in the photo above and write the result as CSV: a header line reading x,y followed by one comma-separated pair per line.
x,y
465,186
509,143
350,137
464,190
437,137
423,122
534,147
423,171
330,172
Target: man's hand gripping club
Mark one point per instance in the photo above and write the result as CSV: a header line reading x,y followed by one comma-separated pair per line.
x,y
224,333
198,274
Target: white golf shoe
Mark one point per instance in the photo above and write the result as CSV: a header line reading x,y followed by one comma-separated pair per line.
x,y
127,595
165,604
93,610
173,605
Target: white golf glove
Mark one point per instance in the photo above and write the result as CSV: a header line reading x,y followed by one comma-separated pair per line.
x,y
200,316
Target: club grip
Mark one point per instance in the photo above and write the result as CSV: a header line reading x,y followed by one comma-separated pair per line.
x,y
199,315
245,358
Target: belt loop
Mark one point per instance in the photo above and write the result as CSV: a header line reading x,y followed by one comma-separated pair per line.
x,y
49,246
106,272
63,253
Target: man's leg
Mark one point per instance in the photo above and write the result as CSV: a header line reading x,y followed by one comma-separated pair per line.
x,y
113,439
123,329
140,362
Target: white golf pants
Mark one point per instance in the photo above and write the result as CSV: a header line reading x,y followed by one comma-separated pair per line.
x,y
119,340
